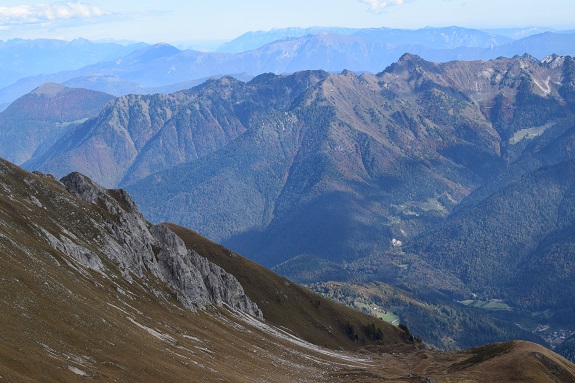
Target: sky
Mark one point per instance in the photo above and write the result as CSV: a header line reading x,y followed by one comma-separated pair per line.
x,y
184,21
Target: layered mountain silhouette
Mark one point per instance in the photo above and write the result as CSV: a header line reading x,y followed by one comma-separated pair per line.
x,y
395,152
149,69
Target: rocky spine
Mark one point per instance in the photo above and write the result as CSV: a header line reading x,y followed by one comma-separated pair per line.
x,y
136,246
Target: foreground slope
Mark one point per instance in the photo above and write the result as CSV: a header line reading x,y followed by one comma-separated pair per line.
x,y
93,292
92,289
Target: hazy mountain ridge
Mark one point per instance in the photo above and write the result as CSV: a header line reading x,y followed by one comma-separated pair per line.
x,y
256,39
437,38
22,58
369,50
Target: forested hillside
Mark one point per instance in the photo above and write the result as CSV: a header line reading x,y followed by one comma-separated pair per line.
x,y
454,177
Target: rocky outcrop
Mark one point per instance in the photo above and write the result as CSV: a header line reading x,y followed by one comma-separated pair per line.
x,y
138,247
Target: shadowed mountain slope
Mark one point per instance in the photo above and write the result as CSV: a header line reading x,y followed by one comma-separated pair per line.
x,y
515,244
393,152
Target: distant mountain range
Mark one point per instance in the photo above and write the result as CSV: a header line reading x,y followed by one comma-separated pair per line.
x,y
450,37
256,39
20,58
161,67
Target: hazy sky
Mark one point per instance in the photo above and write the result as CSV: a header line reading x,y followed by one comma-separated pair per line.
x,y
176,21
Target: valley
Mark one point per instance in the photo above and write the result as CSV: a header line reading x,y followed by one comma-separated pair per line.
x,y
303,205
93,292
417,159
490,320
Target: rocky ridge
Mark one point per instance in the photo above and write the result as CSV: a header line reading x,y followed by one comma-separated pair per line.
x,y
103,231
137,247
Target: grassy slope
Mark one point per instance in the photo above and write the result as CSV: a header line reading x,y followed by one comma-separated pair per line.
x,y
63,323
56,321
286,304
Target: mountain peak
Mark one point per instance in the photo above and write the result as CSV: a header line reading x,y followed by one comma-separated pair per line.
x,y
553,60
348,73
155,51
50,89
409,57
87,190
406,61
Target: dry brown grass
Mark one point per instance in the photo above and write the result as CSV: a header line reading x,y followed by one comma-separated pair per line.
x,y
60,322
288,305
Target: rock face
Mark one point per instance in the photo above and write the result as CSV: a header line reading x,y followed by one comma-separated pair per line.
x,y
139,248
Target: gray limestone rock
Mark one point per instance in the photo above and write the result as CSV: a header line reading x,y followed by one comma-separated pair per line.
x,y
136,246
